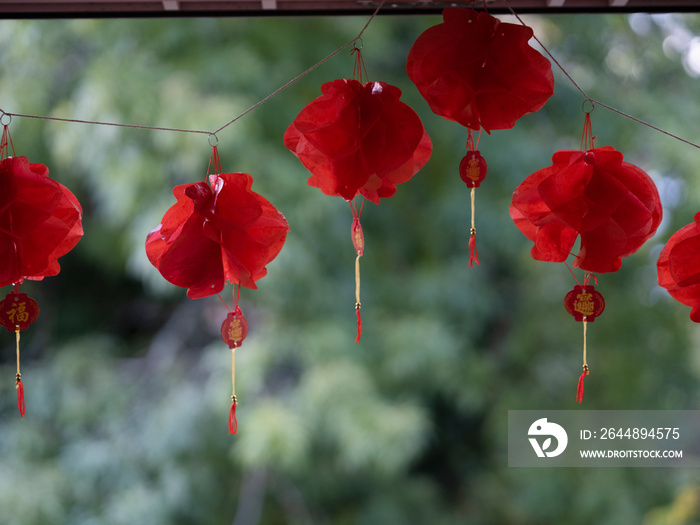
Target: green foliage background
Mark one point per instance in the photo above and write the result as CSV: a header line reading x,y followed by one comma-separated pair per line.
x,y
127,381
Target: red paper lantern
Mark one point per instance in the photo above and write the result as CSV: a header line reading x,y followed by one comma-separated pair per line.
x,y
482,73
358,139
678,267
478,71
40,221
612,205
216,233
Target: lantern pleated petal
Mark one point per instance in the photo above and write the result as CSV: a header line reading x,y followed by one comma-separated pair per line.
x,y
214,234
612,205
479,72
40,221
678,267
359,139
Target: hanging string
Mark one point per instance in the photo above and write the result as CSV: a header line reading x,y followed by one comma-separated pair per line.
x,y
232,421
587,278
5,140
317,64
358,241
470,140
587,137
579,389
203,132
224,302
473,256
18,385
215,160
359,68
102,123
592,100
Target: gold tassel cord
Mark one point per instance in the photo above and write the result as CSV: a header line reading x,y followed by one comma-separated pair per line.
x,y
232,421
473,193
358,305
585,326
473,256
233,372
357,281
18,384
19,376
579,389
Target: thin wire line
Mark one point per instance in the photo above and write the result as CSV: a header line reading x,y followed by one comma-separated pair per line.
x,y
590,99
99,123
201,132
301,75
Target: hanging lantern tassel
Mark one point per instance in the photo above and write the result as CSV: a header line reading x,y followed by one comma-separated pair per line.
x,y
232,421
17,312
579,389
233,331
585,304
472,170
473,257
358,241
19,386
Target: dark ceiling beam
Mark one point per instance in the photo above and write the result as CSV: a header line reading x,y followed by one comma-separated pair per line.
x,y
233,8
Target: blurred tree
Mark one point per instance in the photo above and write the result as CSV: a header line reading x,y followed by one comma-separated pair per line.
x,y
127,380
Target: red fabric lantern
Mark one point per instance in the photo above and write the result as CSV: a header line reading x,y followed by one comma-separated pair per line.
x,y
678,267
216,233
40,221
358,139
477,71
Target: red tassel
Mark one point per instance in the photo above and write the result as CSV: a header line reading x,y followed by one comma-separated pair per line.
x,y
232,421
20,397
579,389
359,323
473,257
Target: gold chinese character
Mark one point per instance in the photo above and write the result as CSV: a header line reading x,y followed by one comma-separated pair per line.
x,y
18,313
473,169
235,330
584,304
